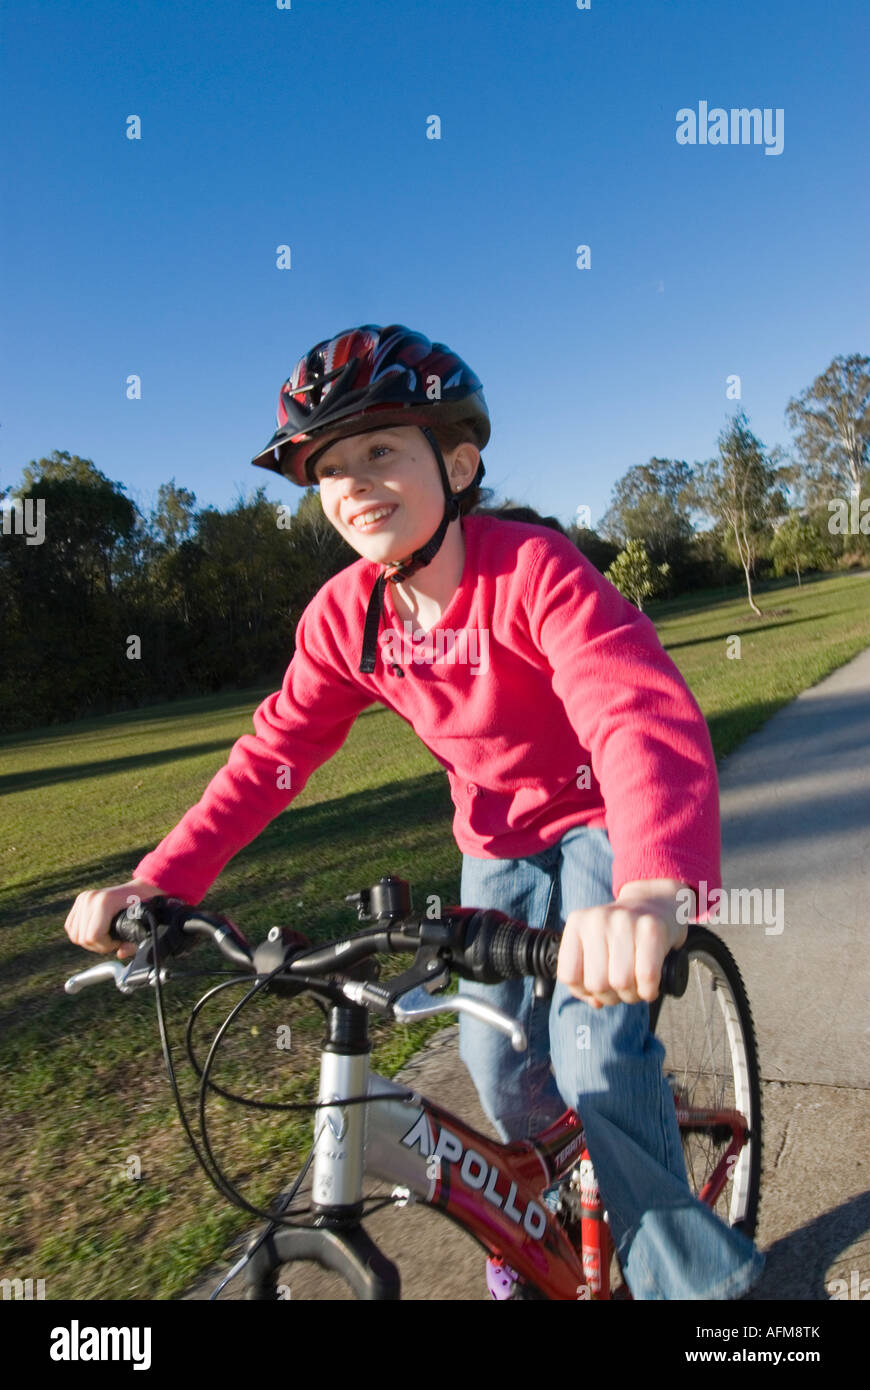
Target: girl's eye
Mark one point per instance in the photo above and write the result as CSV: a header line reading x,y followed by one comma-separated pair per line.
x,y
331,470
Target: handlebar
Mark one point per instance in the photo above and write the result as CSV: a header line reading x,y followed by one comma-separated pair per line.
x,y
477,944
481,945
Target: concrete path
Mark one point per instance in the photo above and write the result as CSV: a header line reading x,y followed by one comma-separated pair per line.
x,y
796,818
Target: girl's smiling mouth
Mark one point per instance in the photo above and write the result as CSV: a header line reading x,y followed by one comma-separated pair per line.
x,y
373,517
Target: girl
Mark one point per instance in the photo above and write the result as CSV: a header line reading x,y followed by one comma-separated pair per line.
x,y
580,767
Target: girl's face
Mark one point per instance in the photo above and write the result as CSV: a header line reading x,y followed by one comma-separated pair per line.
x,y
382,491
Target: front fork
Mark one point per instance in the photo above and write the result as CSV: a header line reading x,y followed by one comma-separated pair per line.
x,y
337,1240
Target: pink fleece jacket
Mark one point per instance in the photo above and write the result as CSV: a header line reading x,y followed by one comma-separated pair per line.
x,y
537,669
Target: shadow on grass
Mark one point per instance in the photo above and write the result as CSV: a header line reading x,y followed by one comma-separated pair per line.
x,y
107,767
353,833
395,825
756,625
697,600
31,779
223,701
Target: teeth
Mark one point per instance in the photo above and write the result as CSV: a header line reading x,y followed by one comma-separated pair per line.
x,y
368,517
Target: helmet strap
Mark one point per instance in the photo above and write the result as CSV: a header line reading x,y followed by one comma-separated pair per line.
x,y
395,574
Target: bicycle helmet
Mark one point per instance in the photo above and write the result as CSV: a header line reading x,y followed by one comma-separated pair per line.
x,y
371,378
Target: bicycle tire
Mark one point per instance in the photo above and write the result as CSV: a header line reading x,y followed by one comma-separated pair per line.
x,y
716,993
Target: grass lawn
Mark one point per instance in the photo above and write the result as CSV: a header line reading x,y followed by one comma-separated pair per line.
x,y
85,1097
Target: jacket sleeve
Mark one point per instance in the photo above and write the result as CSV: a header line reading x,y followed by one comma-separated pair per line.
x,y
296,729
630,707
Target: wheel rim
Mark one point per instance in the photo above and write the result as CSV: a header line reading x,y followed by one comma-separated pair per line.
x,y
707,1064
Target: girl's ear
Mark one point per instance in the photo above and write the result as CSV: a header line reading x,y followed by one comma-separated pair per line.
x,y
462,465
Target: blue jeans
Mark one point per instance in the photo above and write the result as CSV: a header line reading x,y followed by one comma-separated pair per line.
x,y
670,1245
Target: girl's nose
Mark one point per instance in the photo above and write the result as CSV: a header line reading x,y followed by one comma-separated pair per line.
x,y
358,482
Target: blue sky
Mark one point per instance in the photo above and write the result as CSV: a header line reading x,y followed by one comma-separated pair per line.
x,y
307,126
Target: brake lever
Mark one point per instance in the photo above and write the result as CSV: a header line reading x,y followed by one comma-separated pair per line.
x,y
423,1006
106,970
117,970
121,972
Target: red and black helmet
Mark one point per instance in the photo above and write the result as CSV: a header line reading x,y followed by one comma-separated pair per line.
x,y
369,378
372,378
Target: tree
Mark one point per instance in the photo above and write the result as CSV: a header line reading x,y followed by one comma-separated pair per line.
x,y
797,543
321,548
649,504
744,490
213,608
174,517
240,582
88,520
832,418
599,552
633,574
64,627
61,466
710,565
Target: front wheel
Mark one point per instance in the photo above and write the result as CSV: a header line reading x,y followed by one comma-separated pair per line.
x,y
711,1063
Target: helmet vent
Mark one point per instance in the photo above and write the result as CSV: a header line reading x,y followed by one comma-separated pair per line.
x,y
314,369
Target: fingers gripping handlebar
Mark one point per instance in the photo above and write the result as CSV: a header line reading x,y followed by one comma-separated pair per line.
x,y
498,948
177,924
477,944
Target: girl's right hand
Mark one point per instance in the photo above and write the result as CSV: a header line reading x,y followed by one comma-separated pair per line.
x,y
92,914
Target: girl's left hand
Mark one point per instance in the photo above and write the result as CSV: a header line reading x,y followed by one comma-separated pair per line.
x,y
614,953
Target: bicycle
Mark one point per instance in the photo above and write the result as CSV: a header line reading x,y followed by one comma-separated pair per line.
x,y
370,1126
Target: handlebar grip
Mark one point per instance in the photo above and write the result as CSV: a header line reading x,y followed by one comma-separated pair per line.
x,y
496,948
124,927
133,923
675,972
499,948
179,926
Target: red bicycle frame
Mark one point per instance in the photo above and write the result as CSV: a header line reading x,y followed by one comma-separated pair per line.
x,y
494,1190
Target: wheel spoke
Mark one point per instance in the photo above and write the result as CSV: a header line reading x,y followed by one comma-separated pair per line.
x,y
710,1062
